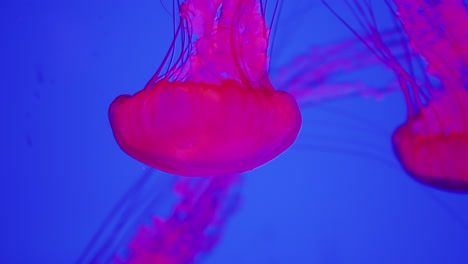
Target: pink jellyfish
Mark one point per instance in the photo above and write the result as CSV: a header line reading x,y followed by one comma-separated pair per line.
x,y
433,144
193,229
215,111
165,220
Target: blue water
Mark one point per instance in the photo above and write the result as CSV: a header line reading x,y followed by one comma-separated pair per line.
x,y
337,196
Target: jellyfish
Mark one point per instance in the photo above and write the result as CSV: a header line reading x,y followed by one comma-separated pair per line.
x,y
193,229
214,111
432,145
166,220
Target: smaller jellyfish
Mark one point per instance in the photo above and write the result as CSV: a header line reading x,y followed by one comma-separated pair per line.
x,y
432,145
215,111
193,229
166,220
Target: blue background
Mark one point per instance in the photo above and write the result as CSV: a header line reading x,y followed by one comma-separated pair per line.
x,y
337,196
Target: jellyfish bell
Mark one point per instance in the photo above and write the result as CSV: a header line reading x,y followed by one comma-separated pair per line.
x,y
433,146
200,130
215,111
